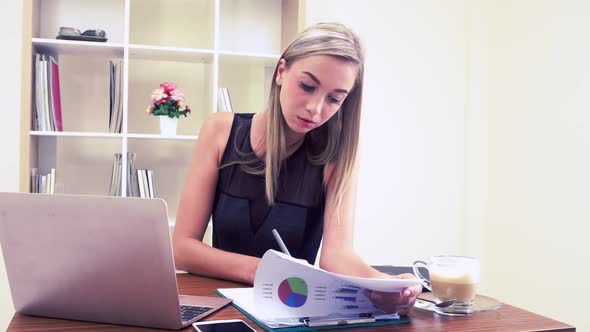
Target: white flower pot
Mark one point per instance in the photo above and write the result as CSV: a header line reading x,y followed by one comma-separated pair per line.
x,y
168,125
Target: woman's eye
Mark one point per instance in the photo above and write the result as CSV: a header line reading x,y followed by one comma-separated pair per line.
x,y
334,100
306,88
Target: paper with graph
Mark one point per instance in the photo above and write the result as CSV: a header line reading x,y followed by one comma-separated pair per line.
x,y
286,289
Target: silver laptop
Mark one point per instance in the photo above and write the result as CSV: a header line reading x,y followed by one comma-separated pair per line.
x,y
91,258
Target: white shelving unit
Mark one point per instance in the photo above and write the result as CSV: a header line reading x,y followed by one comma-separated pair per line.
x,y
199,45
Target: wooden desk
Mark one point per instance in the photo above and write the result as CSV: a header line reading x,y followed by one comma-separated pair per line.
x,y
507,318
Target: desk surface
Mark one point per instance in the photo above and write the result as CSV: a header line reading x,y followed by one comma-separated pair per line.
x,y
507,318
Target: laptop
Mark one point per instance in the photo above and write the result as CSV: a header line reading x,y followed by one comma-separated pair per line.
x,y
95,258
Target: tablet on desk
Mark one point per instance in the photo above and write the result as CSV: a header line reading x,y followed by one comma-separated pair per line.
x,y
230,325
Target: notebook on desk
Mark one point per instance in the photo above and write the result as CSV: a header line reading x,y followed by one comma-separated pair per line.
x,y
92,258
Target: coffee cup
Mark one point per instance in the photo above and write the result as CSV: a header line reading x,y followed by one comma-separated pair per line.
x,y
451,278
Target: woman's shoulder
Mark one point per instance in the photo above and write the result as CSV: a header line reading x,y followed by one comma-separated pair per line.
x,y
216,129
217,125
218,121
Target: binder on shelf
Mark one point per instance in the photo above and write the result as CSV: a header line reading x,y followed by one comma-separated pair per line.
x,y
294,296
140,179
150,181
115,96
115,188
132,184
145,179
223,101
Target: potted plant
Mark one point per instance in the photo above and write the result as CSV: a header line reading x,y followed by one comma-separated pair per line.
x,y
168,103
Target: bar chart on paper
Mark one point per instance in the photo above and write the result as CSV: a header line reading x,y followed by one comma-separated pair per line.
x,y
347,297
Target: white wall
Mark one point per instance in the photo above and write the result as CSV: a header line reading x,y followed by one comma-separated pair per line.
x,y
10,85
476,135
411,181
539,161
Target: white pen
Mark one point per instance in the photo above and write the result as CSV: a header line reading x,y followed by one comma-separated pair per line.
x,y
280,242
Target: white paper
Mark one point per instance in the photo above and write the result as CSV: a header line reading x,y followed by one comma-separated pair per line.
x,y
286,289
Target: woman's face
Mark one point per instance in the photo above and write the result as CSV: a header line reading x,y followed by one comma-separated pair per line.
x,y
313,89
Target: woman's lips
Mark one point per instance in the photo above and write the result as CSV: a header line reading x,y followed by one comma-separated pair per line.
x,y
306,122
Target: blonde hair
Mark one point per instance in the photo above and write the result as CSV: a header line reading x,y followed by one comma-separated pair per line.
x,y
336,140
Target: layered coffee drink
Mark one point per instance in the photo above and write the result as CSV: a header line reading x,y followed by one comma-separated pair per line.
x,y
461,287
452,278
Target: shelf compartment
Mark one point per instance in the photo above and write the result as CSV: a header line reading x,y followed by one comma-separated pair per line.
x,y
234,70
169,161
181,23
84,93
107,15
83,164
257,26
195,80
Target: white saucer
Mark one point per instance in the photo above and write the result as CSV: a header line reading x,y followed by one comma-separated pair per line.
x,y
481,303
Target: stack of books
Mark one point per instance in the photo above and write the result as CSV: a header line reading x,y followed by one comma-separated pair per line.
x,y
44,184
224,101
47,114
145,178
140,182
116,97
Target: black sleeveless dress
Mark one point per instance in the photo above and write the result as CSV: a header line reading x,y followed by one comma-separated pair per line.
x,y
242,219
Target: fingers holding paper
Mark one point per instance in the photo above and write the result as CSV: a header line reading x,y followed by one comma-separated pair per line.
x,y
401,302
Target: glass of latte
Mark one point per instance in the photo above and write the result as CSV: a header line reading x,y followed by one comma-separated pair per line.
x,y
451,278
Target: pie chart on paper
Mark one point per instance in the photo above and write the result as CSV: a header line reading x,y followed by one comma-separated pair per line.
x,y
293,292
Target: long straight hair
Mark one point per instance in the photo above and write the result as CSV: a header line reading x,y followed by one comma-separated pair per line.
x,y
336,141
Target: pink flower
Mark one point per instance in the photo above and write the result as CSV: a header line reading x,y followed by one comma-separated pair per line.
x,y
165,93
177,96
168,87
159,96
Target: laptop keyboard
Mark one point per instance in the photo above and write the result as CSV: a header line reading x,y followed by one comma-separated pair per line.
x,y
188,312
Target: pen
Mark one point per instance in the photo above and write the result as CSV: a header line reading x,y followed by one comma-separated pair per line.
x,y
280,242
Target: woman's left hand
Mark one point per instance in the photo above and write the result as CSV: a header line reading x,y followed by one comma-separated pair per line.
x,y
396,302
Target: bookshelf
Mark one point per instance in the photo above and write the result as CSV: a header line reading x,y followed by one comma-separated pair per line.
x,y
200,45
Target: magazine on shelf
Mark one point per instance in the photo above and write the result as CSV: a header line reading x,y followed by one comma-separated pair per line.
x,y
44,88
56,94
39,104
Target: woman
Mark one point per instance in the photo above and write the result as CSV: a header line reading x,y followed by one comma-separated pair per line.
x,y
291,167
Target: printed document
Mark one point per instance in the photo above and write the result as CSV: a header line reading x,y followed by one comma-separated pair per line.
x,y
287,290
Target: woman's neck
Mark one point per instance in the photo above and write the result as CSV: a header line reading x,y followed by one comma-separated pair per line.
x,y
293,140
